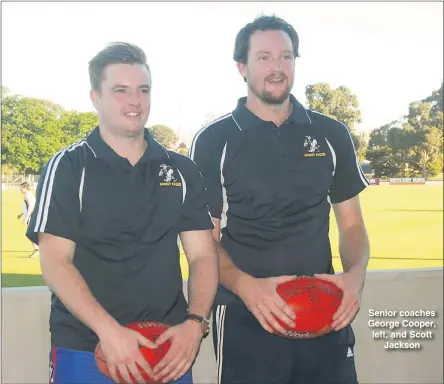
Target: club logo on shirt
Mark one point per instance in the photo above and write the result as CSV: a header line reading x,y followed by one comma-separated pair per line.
x,y
312,146
168,177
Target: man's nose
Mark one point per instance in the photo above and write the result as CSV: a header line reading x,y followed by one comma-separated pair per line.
x,y
134,98
276,65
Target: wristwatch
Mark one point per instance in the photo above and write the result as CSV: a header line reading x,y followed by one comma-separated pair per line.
x,y
203,321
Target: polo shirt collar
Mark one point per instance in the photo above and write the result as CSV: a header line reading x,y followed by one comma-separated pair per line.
x,y
102,150
248,120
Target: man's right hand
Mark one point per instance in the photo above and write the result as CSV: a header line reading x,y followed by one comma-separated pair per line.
x,y
120,346
262,300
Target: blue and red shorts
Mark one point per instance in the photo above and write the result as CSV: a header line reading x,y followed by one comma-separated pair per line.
x,y
67,366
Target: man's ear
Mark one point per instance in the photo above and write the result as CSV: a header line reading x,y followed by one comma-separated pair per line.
x,y
94,98
242,68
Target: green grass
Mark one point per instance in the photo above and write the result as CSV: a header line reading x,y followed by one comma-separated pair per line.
x,y
405,226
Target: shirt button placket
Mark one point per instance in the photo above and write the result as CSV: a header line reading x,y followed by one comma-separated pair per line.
x,y
280,142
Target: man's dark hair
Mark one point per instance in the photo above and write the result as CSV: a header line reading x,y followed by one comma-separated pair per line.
x,y
26,186
114,53
262,23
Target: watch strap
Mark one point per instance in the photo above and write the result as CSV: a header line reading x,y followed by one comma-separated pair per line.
x,y
203,321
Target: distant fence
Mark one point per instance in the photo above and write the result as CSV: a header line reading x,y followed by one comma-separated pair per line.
x,y
404,181
14,181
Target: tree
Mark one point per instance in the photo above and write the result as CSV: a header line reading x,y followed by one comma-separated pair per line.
x,y
339,103
383,150
436,98
379,136
34,129
5,91
386,163
182,149
77,125
424,127
30,133
57,109
413,148
361,145
426,154
164,135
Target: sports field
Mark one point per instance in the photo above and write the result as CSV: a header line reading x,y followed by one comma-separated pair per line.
x,y
405,225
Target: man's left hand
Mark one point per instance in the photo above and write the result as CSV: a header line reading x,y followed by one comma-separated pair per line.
x,y
185,342
351,286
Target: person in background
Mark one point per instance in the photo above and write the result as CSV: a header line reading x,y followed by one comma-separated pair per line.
x,y
27,209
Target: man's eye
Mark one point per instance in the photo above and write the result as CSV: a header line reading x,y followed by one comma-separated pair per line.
x,y
287,57
120,90
263,58
145,90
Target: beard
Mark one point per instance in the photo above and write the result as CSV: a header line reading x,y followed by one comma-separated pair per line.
x,y
268,97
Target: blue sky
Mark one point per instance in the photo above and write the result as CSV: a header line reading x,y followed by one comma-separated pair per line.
x,y
388,54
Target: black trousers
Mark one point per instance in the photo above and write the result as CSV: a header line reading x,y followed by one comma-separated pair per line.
x,y
247,354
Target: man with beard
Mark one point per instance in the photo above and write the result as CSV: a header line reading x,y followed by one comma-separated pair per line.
x,y
272,171
107,220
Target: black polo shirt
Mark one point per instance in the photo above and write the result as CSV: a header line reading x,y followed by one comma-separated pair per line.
x,y
273,187
125,221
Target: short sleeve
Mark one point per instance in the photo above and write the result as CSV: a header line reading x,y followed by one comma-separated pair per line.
x,y
207,157
195,214
57,207
349,179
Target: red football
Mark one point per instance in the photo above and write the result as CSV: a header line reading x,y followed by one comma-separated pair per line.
x,y
314,302
152,331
